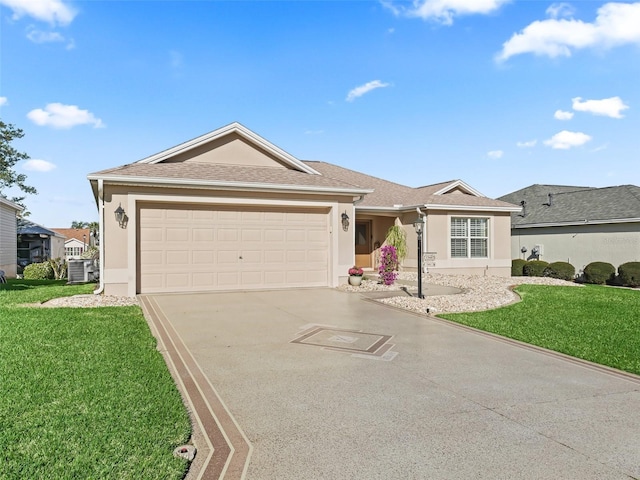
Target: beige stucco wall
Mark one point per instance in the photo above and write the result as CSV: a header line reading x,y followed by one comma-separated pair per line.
x,y
581,244
120,244
437,241
229,150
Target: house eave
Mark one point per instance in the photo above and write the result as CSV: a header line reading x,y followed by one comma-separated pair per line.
x,y
432,206
226,185
10,204
577,223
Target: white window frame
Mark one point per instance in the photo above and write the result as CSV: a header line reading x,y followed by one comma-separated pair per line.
x,y
468,237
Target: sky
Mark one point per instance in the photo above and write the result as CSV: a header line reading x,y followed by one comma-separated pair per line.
x,y
501,94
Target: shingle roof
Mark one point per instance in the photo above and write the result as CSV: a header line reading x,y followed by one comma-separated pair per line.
x,y
574,204
25,227
206,172
76,233
389,194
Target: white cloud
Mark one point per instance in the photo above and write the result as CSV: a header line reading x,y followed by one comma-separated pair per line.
x,y
562,115
51,11
559,10
444,11
38,36
608,107
57,115
366,88
35,165
565,140
616,24
528,144
3,101
495,154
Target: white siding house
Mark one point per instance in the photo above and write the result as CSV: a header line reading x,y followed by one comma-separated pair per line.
x,y
8,237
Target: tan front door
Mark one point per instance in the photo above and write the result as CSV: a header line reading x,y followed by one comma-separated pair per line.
x,y
363,243
205,248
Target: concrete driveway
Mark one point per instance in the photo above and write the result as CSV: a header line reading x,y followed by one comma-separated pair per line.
x,y
322,384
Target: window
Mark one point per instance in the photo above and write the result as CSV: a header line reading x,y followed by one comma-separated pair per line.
x,y
469,237
73,251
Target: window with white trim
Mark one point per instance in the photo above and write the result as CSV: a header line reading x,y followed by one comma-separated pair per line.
x,y
73,251
469,237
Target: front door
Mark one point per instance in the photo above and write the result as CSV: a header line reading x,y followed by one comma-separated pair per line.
x,y
363,243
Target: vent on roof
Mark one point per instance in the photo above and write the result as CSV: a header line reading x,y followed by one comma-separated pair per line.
x,y
523,204
550,201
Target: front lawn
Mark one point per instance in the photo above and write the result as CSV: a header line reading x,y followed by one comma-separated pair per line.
x,y
84,392
595,323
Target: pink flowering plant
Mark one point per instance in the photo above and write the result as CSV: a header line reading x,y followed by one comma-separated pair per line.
x,y
388,269
356,271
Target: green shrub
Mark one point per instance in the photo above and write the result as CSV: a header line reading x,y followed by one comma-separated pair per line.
x,y
629,274
517,265
561,270
38,271
535,268
599,273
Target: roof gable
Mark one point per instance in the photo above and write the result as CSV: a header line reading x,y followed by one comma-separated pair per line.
x,y
233,144
80,234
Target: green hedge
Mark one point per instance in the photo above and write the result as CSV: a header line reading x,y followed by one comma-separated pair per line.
x,y
561,270
517,265
535,268
629,274
599,273
38,271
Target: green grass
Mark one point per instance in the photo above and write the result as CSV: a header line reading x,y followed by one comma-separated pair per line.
x,y
84,392
595,323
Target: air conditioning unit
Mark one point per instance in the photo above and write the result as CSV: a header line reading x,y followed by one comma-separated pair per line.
x,y
80,271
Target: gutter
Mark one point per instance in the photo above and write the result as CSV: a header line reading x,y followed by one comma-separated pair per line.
x,y
100,199
184,183
577,223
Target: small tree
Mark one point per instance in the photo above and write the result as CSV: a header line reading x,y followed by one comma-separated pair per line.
x,y
9,156
397,237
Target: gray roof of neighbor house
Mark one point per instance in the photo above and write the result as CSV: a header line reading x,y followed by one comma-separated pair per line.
x,y
388,194
562,204
25,227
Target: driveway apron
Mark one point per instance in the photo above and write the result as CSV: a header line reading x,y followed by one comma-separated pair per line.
x,y
323,384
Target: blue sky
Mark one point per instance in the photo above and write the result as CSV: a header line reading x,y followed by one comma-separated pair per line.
x,y
501,94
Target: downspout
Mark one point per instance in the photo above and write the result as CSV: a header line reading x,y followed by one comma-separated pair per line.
x,y
100,288
355,202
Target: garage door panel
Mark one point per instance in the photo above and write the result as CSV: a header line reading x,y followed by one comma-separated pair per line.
x,y
270,248
178,257
227,235
203,234
228,256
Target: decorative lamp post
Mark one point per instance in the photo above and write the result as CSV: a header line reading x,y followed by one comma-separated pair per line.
x,y
418,225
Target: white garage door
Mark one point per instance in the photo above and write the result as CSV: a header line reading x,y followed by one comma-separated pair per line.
x,y
193,248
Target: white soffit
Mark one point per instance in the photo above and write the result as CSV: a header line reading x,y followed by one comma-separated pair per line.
x,y
245,133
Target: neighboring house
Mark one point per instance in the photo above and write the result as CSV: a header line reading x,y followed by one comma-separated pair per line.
x,y
77,241
37,244
578,225
231,211
8,239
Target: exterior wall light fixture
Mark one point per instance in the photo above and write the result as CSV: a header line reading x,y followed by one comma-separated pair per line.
x,y
121,216
345,221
